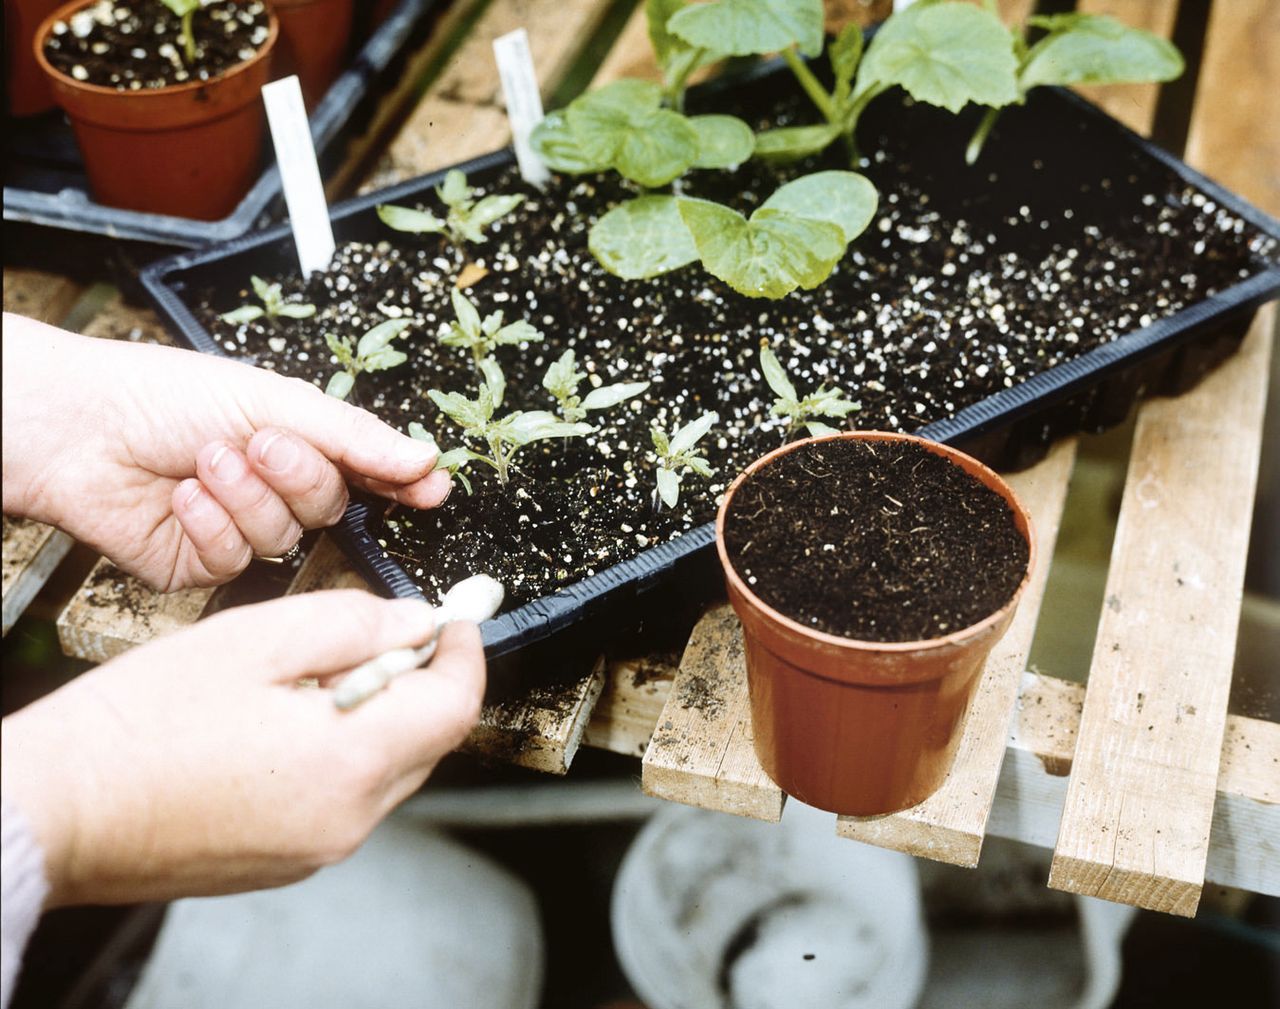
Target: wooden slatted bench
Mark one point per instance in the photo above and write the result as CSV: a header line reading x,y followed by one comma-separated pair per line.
x,y
1140,781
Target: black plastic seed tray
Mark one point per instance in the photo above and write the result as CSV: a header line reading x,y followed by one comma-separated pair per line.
x,y
45,182
1009,429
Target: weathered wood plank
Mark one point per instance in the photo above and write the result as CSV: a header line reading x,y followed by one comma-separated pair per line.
x,y
113,612
326,567
1133,104
462,116
32,551
1140,802
39,295
631,703
949,825
1244,845
702,752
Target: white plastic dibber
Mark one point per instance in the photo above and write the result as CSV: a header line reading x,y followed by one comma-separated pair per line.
x,y
299,174
524,103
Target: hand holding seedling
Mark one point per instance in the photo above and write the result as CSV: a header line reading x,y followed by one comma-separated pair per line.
x,y
181,467
196,764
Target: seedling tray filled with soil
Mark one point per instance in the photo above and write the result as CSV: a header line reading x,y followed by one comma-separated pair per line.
x,y
45,183
996,307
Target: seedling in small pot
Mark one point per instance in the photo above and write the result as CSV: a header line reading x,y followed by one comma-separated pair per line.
x,y
483,336
1082,49
186,9
563,379
504,436
273,305
802,411
466,220
676,457
373,352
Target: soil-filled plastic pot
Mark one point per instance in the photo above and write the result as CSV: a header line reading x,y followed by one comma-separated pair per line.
x,y
190,150
859,726
28,90
314,37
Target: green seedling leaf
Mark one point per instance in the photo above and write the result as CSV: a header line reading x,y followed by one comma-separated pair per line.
x,y
340,384
668,487
666,46
846,199
643,238
611,395
1095,49
343,348
454,192
468,318
844,53
381,360
266,292
660,440
420,433
243,314
947,54
624,126
818,429
493,208
528,426
555,143
692,433
380,336
468,414
776,376
723,141
182,7
416,222
563,377
495,382
297,311
751,27
792,143
768,256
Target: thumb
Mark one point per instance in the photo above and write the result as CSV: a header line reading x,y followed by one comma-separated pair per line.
x,y
311,634
353,438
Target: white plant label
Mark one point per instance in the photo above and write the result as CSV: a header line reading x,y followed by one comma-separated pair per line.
x,y
524,103
299,174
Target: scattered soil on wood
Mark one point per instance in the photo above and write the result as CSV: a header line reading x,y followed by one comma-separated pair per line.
x,y
138,46
968,282
879,541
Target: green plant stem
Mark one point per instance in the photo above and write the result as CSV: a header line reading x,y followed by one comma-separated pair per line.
x,y
189,36
816,92
675,87
979,139
499,460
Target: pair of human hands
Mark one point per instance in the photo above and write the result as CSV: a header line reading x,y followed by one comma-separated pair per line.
x,y
196,764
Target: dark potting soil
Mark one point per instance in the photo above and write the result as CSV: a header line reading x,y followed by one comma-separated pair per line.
x,y
968,281
137,45
879,541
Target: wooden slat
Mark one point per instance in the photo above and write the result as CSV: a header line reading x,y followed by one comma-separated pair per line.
x,y
702,752
32,551
1140,803
627,712
1133,104
461,115
949,825
39,295
326,567
1244,845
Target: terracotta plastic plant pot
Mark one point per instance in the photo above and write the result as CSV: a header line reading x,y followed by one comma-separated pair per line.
x,y
191,150
861,727
314,36
27,89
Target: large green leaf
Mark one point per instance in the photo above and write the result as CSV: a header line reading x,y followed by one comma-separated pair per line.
x,y
723,141
946,54
749,27
768,256
1094,49
623,125
846,199
643,238
558,147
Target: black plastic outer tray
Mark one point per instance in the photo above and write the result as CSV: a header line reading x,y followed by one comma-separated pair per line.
x,y
1010,429
45,183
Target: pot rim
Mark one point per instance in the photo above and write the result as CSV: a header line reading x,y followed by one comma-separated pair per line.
x,y
992,480
64,11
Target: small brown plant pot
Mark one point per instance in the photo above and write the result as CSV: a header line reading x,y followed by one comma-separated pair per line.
x,y
28,90
190,150
861,727
314,39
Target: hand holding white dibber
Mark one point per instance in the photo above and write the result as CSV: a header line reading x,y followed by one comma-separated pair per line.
x,y
473,599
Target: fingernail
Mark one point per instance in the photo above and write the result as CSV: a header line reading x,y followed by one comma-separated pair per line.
x,y
226,465
278,452
192,500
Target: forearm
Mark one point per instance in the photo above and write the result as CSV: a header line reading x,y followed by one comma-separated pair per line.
x,y
46,409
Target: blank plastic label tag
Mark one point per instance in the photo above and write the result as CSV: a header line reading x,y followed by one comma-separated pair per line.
x,y
299,174
524,103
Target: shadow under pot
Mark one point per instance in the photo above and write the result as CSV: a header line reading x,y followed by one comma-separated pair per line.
x,y
873,573
161,132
